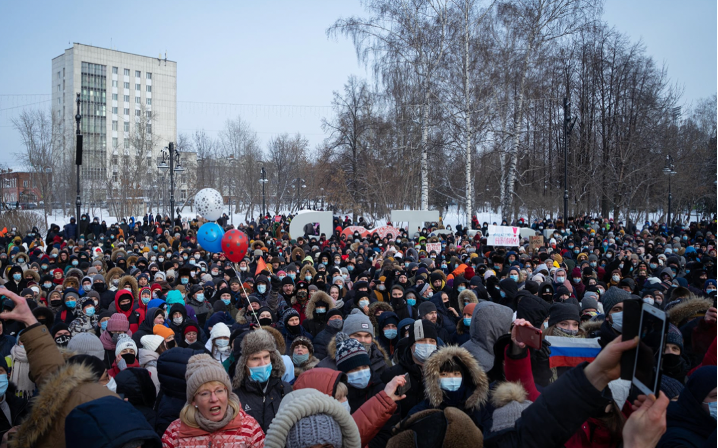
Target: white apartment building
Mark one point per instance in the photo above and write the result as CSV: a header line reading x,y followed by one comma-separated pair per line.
x,y
120,93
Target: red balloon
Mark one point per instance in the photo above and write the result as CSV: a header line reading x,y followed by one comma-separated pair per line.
x,y
234,245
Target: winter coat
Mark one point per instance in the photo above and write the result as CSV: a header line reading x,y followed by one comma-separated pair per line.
x,y
6,344
83,324
378,357
171,367
370,417
405,364
62,387
261,401
315,323
133,316
146,326
19,409
148,360
242,432
321,341
489,322
470,396
202,309
289,338
137,387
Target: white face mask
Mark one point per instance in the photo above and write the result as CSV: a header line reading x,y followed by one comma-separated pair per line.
x,y
112,385
617,319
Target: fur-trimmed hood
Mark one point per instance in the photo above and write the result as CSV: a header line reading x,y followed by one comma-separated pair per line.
x,y
278,338
466,295
319,296
49,404
307,268
373,308
687,310
591,326
130,281
116,253
298,255
71,282
35,275
75,272
432,368
111,273
254,342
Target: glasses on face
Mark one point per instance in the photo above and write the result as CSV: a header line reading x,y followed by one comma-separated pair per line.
x,y
219,393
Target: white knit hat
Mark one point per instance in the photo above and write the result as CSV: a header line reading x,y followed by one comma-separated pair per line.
x,y
219,330
151,341
123,343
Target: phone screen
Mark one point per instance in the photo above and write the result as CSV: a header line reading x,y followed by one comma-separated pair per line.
x,y
649,352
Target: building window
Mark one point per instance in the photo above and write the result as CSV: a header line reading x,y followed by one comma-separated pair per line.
x,y
137,73
149,128
149,75
59,87
114,97
59,101
114,83
127,85
149,101
59,75
114,110
127,111
137,100
127,72
114,125
114,142
149,115
149,89
114,70
127,98
127,126
137,113
127,144
137,87
25,184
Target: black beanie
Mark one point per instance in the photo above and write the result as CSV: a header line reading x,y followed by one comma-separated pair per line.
x,y
422,329
426,308
563,311
334,312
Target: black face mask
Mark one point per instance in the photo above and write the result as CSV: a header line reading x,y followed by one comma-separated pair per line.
x,y
62,340
99,287
265,321
293,329
126,307
56,303
170,344
675,366
129,358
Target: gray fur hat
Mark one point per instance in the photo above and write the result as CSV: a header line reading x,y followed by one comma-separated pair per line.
x,y
255,342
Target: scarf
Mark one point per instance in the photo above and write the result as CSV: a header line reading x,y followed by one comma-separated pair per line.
x,y
107,342
210,426
20,373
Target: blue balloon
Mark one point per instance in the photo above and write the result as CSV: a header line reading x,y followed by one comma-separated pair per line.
x,y
209,236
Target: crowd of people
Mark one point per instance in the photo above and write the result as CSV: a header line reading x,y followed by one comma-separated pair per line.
x,y
133,335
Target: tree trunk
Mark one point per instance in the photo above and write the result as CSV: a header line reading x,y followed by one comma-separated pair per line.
x,y
425,156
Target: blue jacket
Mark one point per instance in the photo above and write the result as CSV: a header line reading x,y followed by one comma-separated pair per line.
x,y
6,344
108,422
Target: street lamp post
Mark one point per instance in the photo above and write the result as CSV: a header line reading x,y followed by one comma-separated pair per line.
x,y
567,128
263,180
172,156
668,170
78,163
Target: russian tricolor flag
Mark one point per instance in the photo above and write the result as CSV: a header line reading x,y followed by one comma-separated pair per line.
x,y
570,352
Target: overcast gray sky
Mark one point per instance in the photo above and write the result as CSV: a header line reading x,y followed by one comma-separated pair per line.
x,y
275,53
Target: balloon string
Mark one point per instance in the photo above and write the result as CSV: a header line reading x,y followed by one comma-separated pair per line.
x,y
246,296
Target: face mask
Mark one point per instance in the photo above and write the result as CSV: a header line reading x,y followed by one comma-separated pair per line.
x,y
265,321
381,288
300,359
321,310
116,282
261,289
648,300
177,320
514,278
200,298
70,304
411,302
423,351
560,279
467,321
243,268
146,300
129,358
609,256
390,334
450,384
502,294
616,278
74,262
260,373
3,384
221,342
593,264
363,303
90,312
360,379
346,406
17,277
567,332
62,340
336,323
161,259
281,277
577,280
711,408
443,266
292,276
112,385
617,319
103,325
47,285
184,280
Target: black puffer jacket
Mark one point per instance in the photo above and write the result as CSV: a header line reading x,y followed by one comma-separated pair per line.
x,y
18,410
322,340
262,403
171,367
136,385
405,364
146,326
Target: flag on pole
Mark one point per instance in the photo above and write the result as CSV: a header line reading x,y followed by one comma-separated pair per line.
x,y
570,352
261,265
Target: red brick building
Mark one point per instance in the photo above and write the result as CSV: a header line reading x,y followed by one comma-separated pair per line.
x,y
22,186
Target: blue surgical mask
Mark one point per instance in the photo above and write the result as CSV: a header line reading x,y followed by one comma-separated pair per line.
x,y
75,262
87,288
450,384
4,383
146,300
346,406
411,302
423,351
363,303
17,277
502,294
90,312
260,373
308,278
47,285
321,310
560,279
103,325
292,276
226,301
467,321
711,406
360,379
200,297
461,288
261,289
443,266
300,359
184,280
70,304
390,334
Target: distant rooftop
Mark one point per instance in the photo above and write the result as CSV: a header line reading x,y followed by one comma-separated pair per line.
x,y
110,49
